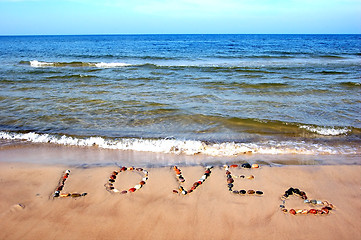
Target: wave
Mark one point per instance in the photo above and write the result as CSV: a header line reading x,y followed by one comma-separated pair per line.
x,y
35,63
188,147
327,131
350,84
245,85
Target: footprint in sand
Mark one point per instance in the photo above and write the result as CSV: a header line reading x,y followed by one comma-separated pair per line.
x,y
14,208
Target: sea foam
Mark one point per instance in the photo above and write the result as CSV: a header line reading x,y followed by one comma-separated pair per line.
x,y
327,131
188,147
36,63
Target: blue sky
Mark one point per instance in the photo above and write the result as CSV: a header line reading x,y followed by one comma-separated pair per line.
x,y
178,16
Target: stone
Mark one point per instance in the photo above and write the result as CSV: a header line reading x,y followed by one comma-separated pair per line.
x,y
132,189
255,165
246,165
292,211
325,210
251,192
296,191
242,192
259,192
312,211
230,180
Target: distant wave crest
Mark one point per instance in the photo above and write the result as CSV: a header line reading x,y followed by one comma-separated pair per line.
x,y
35,63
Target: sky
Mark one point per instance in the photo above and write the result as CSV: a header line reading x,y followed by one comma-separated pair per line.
x,y
58,17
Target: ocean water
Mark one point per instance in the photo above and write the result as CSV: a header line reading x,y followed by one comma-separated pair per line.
x,y
219,95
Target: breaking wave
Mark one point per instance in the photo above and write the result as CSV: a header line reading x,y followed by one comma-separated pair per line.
x,y
188,147
327,131
36,63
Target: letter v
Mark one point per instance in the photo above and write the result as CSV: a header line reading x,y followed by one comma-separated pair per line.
x,y
181,180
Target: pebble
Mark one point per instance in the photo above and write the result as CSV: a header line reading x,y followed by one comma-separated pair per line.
x,y
246,165
325,210
255,166
76,195
312,211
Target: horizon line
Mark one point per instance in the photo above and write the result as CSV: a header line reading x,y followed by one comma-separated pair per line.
x,y
129,34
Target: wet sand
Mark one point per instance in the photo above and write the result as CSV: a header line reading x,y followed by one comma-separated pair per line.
x,y
155,212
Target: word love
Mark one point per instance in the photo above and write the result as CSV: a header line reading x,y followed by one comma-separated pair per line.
x,y
326,207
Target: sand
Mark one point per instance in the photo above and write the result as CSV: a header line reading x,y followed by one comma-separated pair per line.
x,y
155,212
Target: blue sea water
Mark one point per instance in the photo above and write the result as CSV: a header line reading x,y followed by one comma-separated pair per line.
x,y
208,94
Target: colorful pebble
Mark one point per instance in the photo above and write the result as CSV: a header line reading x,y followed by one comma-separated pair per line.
x,y
294,191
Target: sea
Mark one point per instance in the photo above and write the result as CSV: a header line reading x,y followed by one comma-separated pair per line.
x,y
212,95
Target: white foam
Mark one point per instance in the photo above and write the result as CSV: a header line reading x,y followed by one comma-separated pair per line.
x,y
36,63
111,65
327,131
188,147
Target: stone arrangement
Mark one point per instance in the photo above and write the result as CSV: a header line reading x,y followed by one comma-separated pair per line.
x,y
181,180
110,184
59,188
326,207
230,179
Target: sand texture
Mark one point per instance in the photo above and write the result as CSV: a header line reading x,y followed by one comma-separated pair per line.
x,y
155,212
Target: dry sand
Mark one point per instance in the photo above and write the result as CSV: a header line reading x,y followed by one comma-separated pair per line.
x,y
155,212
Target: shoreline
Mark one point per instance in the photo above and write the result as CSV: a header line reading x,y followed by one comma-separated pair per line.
x,y
155,212
54,154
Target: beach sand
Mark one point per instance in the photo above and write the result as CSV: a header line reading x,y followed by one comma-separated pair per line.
x,y
155,212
